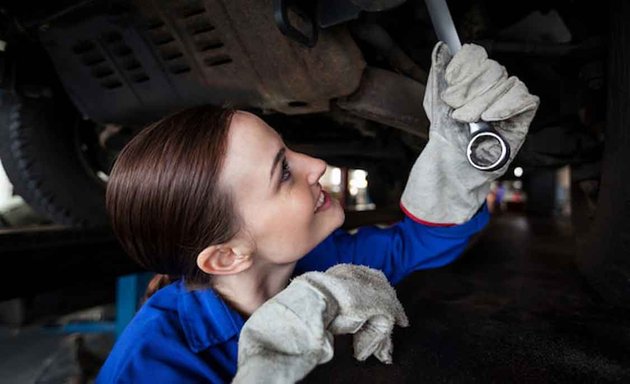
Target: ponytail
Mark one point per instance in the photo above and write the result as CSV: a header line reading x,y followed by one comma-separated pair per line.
x,y
158,281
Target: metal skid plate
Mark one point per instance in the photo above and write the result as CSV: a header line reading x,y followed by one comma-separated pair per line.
x,y
134,66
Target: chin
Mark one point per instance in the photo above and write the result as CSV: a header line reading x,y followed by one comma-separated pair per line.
x,y
342,217
338,216
333,218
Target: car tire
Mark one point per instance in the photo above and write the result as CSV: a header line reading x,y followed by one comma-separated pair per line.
x,y
42,157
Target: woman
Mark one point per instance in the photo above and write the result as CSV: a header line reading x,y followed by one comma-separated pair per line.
x,y
213,198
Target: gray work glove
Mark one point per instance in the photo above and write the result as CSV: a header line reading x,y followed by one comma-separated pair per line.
x,y
443,188
293,331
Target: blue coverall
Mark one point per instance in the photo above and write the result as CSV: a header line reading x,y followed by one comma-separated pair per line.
x,y
181,336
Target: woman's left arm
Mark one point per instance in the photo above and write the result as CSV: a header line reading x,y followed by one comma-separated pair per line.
x,y
405,247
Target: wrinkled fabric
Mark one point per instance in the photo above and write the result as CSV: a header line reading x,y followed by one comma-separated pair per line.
x,y
184,336
177,336
443,187
293,332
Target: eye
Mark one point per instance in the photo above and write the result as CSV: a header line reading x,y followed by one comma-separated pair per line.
x,y
286,171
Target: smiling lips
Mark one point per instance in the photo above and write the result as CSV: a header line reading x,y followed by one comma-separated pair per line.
x,y
323,201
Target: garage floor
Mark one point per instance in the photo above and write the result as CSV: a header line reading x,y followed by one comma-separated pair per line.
x,y
512,309
40,354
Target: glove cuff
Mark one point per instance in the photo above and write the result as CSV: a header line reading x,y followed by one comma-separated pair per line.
x,y
420,221
443,189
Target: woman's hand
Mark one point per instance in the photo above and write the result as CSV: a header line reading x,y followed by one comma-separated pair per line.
x,y
293,332
443,188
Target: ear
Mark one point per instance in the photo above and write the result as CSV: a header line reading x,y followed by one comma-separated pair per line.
x,y
225,259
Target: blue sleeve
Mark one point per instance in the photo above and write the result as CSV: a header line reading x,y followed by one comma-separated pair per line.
x,y
398,250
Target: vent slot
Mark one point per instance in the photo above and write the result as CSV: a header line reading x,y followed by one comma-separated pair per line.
x,y
192,12
217,60
102,71
83,47
111,84
163,39
174,54
121,50
112,37
209,45
154,24
131,64
140,78
201,29
92,58
179,69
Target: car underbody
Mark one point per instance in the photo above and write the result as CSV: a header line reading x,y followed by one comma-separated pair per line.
x,y
339,79
129,63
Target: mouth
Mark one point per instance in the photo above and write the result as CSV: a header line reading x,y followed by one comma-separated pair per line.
x,y
323,201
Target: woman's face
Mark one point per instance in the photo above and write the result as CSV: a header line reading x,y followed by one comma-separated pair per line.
x,y
276,192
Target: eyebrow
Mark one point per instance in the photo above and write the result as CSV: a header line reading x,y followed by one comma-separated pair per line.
x,y
276,161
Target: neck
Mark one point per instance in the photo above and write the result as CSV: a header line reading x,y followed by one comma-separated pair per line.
x,y
248,290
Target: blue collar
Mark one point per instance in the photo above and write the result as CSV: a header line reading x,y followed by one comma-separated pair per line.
x,y
204,317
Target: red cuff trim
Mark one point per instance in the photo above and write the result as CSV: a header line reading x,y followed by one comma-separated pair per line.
x,y
417,220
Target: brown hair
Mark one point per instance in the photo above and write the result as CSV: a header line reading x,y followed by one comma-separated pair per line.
x,y
163,199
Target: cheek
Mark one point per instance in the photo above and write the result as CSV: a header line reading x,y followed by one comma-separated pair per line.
x,y
298,215
288,220
292,229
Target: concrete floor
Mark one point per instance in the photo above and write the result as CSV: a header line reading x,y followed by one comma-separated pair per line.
x,y
41,354
512,309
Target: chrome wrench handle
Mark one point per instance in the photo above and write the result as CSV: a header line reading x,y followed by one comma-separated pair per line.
x,y
482,135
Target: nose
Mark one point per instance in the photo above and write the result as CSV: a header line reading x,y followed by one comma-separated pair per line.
x,y
315,169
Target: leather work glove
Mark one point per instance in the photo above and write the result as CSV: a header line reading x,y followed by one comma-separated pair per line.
x,y
443,187
293,331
